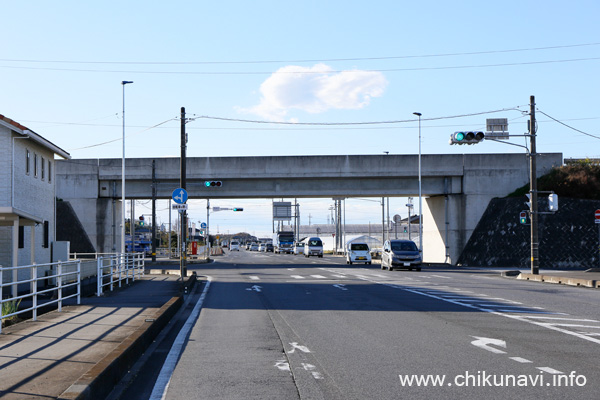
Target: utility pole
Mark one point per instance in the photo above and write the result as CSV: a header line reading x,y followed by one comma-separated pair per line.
x,y
153,210
182,184
533,206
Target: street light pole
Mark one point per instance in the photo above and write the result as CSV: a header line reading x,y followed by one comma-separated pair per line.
x,y
123,177
420,194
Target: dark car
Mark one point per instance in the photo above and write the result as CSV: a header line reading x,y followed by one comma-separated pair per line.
x,y
269,247
400,254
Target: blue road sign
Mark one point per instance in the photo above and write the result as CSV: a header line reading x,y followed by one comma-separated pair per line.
x,y
203,225
180,196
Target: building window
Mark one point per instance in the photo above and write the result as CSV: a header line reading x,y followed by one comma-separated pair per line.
x,y
43,168
21,237
27,161
46,234
49,171
35,165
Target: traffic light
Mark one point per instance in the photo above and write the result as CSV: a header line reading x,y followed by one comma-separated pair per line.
x,y
523,217
238,209
212,183
141,220
467,137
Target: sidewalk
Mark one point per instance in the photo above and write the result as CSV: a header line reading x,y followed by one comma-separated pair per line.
x,y
81,352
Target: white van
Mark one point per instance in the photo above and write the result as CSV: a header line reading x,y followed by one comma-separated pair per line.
x,y
298,248
313,247
358,252
234,246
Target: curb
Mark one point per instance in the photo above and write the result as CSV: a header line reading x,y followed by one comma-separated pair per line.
x,y
102,377
590,283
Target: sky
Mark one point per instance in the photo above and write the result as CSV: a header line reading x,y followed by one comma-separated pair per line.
x,y
239,66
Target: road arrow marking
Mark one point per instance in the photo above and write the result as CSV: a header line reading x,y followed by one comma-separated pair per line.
x,y
283,365
295,346
256,288
484,343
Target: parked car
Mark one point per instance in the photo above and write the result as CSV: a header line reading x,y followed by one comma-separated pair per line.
x,y
269,247
400,254
358,252
254,247
313,247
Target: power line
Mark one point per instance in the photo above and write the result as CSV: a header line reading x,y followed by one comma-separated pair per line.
x,y
301,60
350,123
568,126
230,73
119,139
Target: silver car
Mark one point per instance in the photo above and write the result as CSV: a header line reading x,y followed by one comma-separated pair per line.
x,y
400,254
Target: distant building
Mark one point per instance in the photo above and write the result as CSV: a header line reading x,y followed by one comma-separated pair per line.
x,y
351,231
27,196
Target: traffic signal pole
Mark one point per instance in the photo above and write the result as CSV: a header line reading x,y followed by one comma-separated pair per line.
x,y
533,207
182,167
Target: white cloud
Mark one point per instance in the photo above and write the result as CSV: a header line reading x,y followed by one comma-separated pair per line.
x,y
315,90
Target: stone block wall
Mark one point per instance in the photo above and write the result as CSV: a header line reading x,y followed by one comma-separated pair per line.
x,y
568,238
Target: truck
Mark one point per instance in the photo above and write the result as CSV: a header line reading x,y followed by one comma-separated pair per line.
x,y
283,242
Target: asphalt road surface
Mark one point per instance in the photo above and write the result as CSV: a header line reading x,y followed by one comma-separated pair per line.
x,y
275,326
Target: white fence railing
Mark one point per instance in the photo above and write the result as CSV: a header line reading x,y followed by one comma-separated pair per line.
x,y
43,284
115,269
66,275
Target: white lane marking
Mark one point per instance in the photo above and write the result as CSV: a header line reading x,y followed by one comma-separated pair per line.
x,y
255,278
527,311
503,313
297,277
340,286
550,370
565,319
311,368
440,276
255,288
164,377
507,306
295,346
339,276
283,365
485,343
291,269
577,325
319,276
520,360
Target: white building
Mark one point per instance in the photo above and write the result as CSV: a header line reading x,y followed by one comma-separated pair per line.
x,y
27,196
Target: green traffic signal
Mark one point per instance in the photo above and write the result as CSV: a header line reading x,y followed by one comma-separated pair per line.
x,y
523,217
459,136
212,183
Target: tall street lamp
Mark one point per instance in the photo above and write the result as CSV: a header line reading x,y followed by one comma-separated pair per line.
x,y
420,198
123,177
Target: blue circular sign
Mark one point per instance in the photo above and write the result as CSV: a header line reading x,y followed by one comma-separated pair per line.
x,y
180,196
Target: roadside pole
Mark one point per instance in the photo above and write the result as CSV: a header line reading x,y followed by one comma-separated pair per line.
x,y
597,221
182,165
533,206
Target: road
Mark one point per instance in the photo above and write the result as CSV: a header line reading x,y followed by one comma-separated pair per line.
x,y
286,327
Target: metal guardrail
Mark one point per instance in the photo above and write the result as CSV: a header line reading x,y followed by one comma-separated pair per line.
x,y
115,269
68,274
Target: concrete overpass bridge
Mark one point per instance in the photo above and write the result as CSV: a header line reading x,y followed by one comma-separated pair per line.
x,y
456,188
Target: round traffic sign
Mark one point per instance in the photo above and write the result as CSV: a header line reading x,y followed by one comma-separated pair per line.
x,y
597,214
180,196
